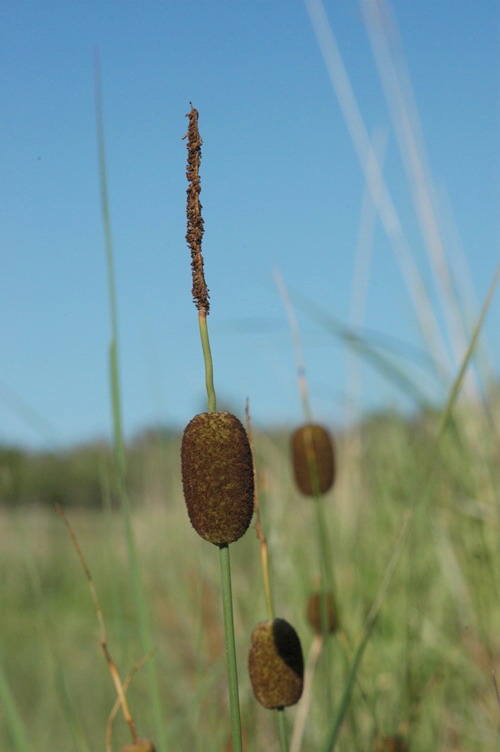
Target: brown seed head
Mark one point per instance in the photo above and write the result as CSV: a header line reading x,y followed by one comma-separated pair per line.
x,y
391,744
313,459
314,613
217,477
276,664
194,232
141,745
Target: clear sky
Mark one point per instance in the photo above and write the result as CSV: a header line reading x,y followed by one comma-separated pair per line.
x,y
283,188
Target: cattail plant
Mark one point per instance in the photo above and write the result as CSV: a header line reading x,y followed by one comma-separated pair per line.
x,y
276,664
141,745
275,661
313,459
217,468
314,613
313,462
391,744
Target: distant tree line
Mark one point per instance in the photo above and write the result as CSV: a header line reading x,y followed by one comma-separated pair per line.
x,y
82,476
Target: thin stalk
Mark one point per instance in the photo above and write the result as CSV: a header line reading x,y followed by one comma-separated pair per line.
x,y
232,670
134,568
207,357
282,729
264,549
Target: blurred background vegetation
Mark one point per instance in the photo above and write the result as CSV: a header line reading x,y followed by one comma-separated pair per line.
x,y
428,671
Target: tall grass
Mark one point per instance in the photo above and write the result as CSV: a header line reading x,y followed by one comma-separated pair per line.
x,y
444,617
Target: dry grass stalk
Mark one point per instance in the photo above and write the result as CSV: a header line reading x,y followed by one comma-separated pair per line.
x,y
120,689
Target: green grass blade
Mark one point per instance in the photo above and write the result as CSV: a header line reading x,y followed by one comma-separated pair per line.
x,y
134,567
380,355
13,720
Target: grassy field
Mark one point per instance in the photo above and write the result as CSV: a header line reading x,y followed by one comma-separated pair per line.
x,y
427,669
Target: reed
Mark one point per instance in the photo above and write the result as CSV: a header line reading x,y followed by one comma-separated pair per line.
x,y
217,469
140,602
275,661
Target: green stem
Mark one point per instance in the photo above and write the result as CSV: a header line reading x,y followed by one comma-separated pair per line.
x,y
282,729
332,737
326,587
134,568
207,357
232,671
13,720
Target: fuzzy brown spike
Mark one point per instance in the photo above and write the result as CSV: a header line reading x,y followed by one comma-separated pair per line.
x,y
391,744
217,477
141,745
276,664
313,459
194,232
314,613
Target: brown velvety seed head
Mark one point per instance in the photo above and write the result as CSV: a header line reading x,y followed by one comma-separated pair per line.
x,y
217,477
276,664
314,613
141,745
391,744
313,441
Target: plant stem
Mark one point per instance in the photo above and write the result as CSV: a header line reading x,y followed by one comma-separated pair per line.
x,y
207,357
134,569
282,729
326,576
232,671
13,718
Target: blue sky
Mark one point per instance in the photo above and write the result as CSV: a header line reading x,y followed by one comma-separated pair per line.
x,y
283,189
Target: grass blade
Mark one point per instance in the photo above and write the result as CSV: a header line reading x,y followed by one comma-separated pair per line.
x,y
134,568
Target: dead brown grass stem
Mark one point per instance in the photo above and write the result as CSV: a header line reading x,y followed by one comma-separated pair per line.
x,y
115,675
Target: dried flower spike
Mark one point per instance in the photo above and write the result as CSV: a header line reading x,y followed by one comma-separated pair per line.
x,y
314,613
313,459
276,664
217,476
194,232
141,745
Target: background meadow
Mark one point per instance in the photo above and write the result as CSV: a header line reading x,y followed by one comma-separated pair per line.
x,y
349,182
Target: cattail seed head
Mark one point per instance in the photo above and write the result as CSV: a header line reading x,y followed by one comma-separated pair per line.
x,y
276,664
141,745
391,744
217,477
314,613
313,459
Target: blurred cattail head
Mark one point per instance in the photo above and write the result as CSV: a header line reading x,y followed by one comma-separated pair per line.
x,y
276,664
141,745
314,612
391,744
217,477
313,459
